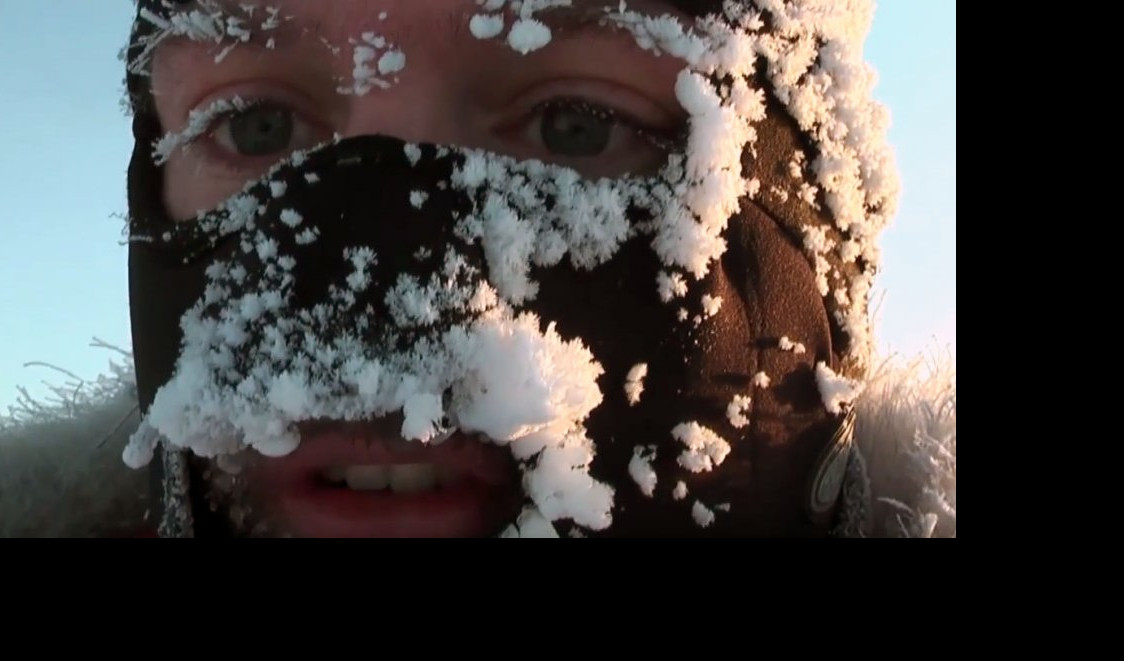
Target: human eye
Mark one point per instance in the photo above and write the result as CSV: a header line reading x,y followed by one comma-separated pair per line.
x,y
597,135
250,137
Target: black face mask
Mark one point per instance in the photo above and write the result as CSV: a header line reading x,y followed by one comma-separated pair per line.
x,y
297,234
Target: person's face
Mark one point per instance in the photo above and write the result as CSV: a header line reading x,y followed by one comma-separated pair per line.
x,y
591,99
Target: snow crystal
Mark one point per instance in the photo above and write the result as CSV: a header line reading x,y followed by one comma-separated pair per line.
x,y
640,468
485,26
634,383
680,490
835,390
531,524
711,304
705,449
788,345
761,380
736,410
702,516
278,188
418,198
391,62
291,217
307,236
413,153
423,413
528,35
670,285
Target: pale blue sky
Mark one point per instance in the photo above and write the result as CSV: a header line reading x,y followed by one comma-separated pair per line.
x,y
65,143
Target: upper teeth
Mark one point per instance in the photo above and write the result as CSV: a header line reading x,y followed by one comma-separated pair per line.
x,y
400,478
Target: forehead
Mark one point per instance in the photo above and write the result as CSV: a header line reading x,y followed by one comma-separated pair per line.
x,y
284,22
322,40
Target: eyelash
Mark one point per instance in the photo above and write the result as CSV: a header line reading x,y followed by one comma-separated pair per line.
x,y
665,140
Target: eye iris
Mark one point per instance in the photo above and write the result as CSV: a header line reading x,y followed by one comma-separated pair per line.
x,y
261,131
575,131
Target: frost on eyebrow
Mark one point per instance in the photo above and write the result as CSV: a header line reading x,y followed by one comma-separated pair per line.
x,y
208,21
375,60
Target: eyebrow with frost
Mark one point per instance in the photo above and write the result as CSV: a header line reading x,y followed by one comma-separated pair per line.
x,y
582,41
582,19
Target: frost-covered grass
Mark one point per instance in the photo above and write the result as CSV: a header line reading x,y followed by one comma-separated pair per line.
x,y
906,430
60,460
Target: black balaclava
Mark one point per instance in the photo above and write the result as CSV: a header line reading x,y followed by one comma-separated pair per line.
x,y
669,355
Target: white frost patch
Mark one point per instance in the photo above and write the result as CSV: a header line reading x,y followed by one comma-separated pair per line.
x,y
701,514
392,62
711,304
670,286
413,153
761,380
278,188
736,410
372,59
312,178
640,468
291,217
307,236
680,490
795,347
418,198
530,525
835,390
634,383
705,449
528,35
423,413
722,507
485,26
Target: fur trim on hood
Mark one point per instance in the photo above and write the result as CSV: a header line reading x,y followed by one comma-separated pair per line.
x,y
61,473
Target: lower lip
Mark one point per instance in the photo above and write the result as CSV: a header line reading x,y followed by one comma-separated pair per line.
x,y
468,509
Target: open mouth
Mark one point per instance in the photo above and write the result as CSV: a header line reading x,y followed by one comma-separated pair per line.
x,y
363,480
